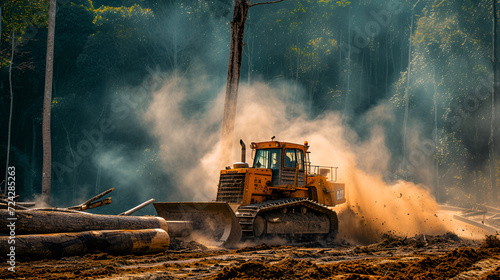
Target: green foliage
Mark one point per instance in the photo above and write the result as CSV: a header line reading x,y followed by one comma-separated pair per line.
x,y
25,17
123,22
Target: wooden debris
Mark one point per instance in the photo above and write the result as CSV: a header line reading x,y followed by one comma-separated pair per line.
x,y
482,216
88,204
19,205
36,222
492,230
57,245
493,209
137,208
58,232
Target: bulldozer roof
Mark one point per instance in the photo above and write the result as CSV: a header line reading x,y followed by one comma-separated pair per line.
x,y
277,144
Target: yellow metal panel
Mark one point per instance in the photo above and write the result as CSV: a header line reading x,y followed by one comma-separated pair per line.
x,y
276,144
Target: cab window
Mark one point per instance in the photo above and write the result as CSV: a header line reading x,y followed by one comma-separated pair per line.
x,y
269,158
294,158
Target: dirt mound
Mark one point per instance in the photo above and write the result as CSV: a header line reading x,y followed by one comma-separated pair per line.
x,y
418,257
413,266
288,268
416,267
491,241
494,275
180,245
263,246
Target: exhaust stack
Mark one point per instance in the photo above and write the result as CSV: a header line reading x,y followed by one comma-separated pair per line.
x,y
243,151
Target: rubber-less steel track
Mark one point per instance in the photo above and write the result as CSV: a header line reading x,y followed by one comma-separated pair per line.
x,y
291,217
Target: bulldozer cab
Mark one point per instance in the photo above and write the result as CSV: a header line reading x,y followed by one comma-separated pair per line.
x,y
269,159
284,160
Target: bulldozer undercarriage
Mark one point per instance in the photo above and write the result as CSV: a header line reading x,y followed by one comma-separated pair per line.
x,y
294,219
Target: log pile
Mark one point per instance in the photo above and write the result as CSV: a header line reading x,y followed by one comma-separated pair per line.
x,y
61,232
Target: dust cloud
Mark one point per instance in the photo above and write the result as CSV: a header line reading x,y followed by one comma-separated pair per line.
x,y
190,149
188,136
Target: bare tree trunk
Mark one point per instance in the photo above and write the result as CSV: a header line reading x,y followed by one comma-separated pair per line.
x,y
31,177
233,75
478,188
386,64
492,130
407,93
9,133
436,137
47,102
348,91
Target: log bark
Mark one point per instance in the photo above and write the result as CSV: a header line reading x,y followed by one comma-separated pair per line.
x,y
233,77
491,142
9,130
37,222
241,8
47,103
58,245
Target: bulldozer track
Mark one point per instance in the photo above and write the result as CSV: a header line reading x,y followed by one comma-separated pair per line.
x,y
248,213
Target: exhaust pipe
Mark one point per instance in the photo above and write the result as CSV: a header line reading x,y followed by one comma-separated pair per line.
x,y
243,151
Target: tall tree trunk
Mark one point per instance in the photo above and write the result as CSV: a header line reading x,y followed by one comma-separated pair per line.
x,y
386,65
9,132
436,136
407,93
249,62
233,75
492,130
348,91
47,102
31,177
476,155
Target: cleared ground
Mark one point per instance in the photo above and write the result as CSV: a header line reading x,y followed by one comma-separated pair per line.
x,y
421,257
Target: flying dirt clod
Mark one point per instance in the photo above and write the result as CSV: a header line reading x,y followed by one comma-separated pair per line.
x,y
281,195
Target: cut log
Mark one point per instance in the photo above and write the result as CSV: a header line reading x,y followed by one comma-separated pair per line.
x,y
36,222
180,228
57,245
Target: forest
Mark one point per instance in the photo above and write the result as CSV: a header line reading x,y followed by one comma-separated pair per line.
x,y
419,75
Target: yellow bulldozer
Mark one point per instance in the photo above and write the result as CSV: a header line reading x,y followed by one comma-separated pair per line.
x,y
281,195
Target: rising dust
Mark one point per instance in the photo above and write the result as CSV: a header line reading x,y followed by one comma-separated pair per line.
x,y
374,207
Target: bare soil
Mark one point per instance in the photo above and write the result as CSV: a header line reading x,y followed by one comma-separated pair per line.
x,y
421,257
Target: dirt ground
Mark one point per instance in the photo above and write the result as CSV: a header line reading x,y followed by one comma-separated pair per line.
x,y
421,257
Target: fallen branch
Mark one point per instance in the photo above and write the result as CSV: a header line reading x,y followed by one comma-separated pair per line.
x,y
138,207
5,205
89,204
265,3
86,204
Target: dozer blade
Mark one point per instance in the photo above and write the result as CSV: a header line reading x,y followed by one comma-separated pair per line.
x,y
214,220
